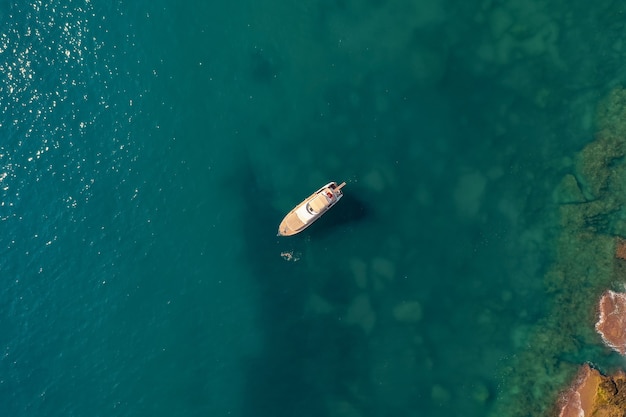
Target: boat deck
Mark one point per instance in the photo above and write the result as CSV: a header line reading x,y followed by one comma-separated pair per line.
x,y
319,203
293,222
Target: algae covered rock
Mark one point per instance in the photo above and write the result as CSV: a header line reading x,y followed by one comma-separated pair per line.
x,y
360,313
594,163
568,191
611,115
590,206
596,160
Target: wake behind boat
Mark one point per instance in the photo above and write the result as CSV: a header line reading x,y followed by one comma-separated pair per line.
x,y
311,209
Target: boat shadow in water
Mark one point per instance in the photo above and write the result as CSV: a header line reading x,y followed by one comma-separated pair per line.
x,y
349,211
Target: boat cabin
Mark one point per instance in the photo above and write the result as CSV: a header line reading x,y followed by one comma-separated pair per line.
x,y
320,203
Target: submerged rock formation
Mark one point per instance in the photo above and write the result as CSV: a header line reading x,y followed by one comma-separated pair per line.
x,y
593,394
600,173
589,259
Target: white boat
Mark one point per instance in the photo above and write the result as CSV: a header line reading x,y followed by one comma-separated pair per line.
x,y
311,209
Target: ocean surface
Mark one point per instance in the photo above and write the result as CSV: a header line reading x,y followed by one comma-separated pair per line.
x,y
149,150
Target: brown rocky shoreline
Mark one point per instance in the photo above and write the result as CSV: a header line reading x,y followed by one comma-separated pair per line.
x,y
594,394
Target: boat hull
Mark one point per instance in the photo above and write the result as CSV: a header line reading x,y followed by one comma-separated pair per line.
x,y
310,209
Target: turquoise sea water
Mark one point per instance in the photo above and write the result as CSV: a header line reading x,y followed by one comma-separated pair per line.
x,y
149,150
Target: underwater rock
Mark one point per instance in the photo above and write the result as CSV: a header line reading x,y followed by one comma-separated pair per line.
x,y
383,268
611,112
439,394
374,181
508,38
596,161
480,393
611,323
568,191
469,193
358,268
318,305
408,312
360,313
593,394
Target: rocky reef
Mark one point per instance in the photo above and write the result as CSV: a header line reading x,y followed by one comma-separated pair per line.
x,y
600,180
589,261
